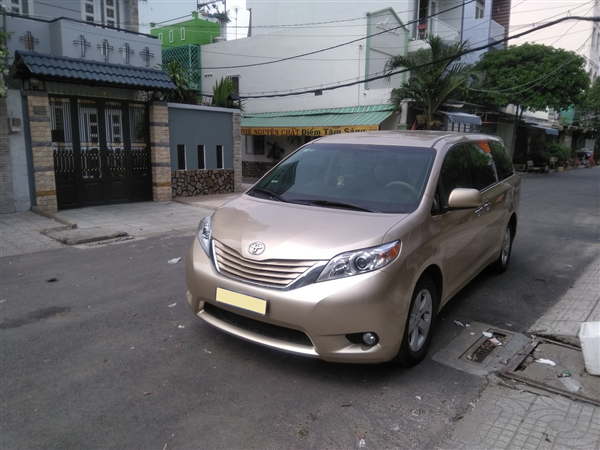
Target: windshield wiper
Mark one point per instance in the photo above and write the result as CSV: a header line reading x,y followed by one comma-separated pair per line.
x,y
270,193
339,205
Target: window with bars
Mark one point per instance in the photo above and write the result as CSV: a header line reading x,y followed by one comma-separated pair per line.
x,y
201,157
235,79
180,157
220,157
258,145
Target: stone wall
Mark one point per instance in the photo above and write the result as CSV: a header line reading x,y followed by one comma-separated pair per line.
x,y
255,169
189,183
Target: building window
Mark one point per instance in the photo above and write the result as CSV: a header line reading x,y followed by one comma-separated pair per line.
x,y
89,8
110,2
180,157
479,9
171,38
220,158
258,145
201,157
235,79
89,18
182,34
160,38
110,13
110,23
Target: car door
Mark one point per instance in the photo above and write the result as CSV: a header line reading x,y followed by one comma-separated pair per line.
x,y
493,212
461,238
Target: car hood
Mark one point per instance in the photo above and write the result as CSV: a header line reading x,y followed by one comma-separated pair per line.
x,y
290,231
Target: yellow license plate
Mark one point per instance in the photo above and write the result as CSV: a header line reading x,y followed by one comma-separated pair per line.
x,y
246,302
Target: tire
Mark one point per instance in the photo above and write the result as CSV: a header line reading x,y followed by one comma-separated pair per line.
x,y
419,323
501,264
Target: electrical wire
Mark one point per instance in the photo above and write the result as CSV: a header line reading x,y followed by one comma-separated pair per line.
x,y
378,77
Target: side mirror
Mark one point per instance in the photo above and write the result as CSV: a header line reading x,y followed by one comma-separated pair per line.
x,y
462,198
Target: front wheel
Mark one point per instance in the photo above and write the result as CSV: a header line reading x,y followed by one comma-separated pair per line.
x,y
419,323
501,264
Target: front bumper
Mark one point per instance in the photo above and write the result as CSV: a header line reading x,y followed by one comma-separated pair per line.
x,y
325,312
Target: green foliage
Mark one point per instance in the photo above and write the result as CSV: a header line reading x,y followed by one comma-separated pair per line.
x,y
179,74
533,76
562,153
222,91
588,110
435,77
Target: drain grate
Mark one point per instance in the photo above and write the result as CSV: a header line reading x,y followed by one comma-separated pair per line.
x,y
485,347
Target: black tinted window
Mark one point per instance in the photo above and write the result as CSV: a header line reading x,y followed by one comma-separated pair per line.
x,y
456,173
378,178
503,162
484,168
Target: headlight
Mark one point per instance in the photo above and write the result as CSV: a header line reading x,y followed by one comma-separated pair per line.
x,y
205,234
360,261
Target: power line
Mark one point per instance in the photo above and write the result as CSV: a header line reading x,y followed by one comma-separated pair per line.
x,y
336,46
378,77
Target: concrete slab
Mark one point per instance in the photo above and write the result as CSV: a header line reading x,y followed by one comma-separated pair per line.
x,y
456,354
77,236
546,365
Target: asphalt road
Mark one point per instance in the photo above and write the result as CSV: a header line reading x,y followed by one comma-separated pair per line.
x,y
110,356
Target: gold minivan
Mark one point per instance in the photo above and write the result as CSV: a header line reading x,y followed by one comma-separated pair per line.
x,y
348,248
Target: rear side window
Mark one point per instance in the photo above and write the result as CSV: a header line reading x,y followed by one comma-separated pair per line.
x,y
455,173
484,168
503,162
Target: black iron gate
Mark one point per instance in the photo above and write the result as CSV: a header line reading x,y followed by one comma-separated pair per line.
x,y
101,151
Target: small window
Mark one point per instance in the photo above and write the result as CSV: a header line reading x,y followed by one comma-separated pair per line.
x,y
502,159
110,13
160,37
171,38
182,34
89,18
89,8
455,173
110,2
258,145
220,157
201,157
180,157
484,168
110,23
235,79
480,9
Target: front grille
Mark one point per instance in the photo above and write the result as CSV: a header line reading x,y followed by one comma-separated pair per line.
x,y
258,327
274,272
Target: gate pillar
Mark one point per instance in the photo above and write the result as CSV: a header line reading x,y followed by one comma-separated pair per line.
x,y
38,107
160,152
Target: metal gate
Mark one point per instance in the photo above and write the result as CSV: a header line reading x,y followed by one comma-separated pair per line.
x,y
101,152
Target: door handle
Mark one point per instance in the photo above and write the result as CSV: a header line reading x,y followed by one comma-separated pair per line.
x,y
478,211
487,206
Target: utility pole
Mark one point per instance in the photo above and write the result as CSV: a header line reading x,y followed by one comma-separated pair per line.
x,y
236,27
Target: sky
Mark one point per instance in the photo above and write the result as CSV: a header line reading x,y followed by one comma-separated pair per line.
x,y
164,10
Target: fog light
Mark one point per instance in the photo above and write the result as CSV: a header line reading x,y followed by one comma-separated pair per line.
x,y
370,339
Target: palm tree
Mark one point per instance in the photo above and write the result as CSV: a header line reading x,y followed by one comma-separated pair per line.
x,y
435,76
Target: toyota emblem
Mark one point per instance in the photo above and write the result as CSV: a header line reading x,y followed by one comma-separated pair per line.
x,y
256,248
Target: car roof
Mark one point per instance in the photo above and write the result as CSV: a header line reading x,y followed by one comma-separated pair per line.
x,y
412,138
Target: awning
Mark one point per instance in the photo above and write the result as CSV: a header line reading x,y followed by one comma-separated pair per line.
x,y
548,130
61,68
459,117
316,122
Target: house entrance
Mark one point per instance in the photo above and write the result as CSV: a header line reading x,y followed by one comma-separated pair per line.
x,y
101,152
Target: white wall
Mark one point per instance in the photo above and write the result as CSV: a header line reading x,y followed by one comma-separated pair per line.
x,y
345,64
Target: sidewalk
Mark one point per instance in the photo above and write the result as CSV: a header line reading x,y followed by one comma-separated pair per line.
x,y
515,416
22,232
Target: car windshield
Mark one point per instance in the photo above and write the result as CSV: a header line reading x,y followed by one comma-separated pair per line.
x,y
388,179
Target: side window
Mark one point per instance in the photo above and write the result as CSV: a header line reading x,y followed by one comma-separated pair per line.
x,y
503,162
455,173
484,168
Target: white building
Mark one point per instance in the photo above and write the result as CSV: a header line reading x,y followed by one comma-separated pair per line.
x,y
313,68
